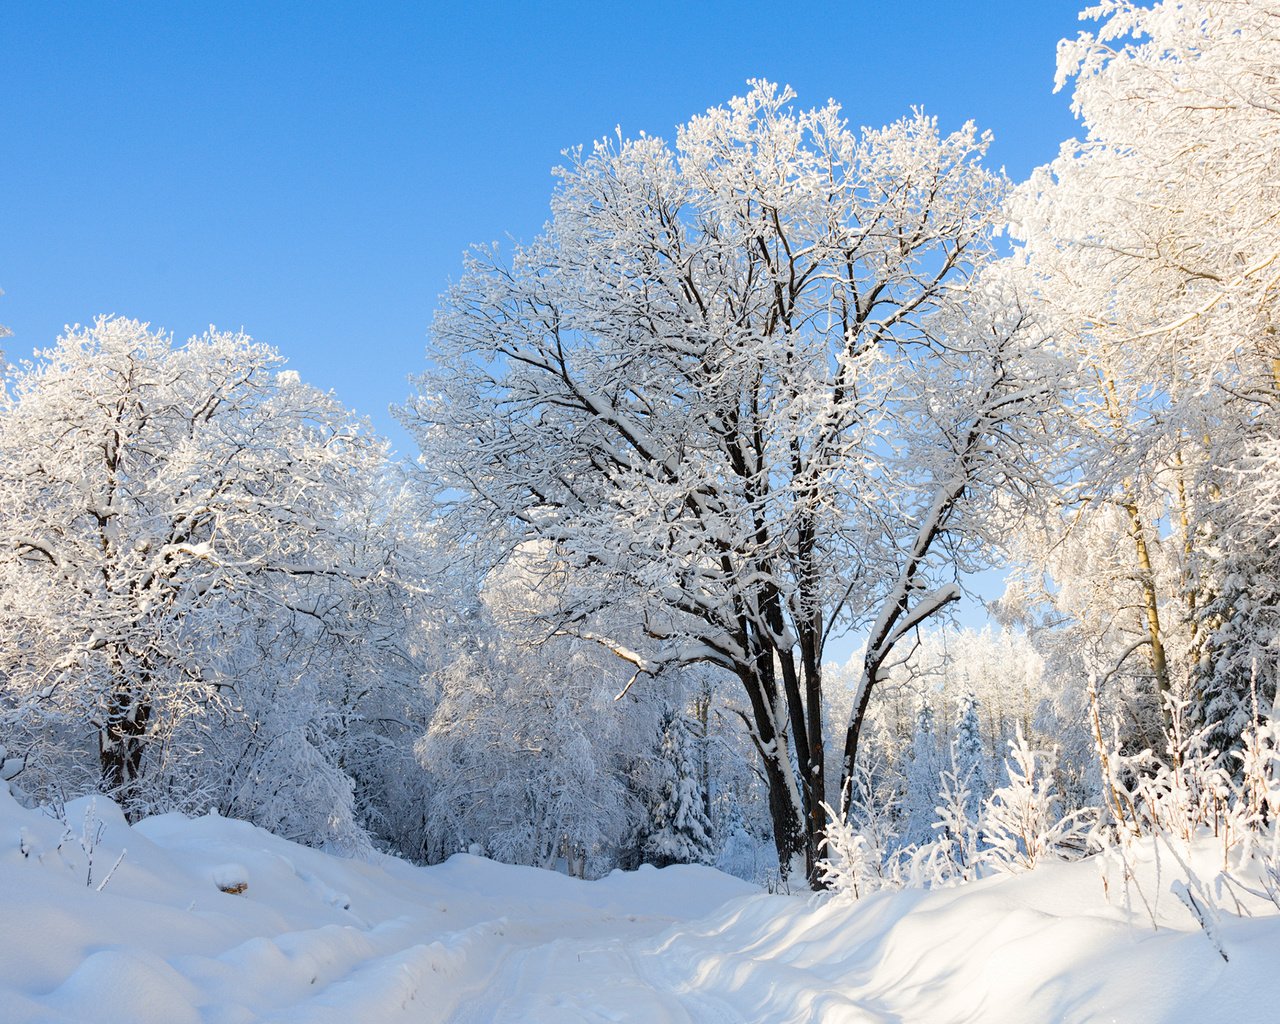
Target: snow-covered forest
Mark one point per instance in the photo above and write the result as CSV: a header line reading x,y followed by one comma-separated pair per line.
x,y
709,475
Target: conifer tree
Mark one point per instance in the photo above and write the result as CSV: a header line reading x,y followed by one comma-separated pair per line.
x,y
681,832
923,780
968,759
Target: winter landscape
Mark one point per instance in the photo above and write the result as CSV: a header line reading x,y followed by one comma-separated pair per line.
x,y
822,573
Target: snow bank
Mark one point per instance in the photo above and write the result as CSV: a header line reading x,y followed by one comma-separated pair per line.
x,y
1045,946
314,938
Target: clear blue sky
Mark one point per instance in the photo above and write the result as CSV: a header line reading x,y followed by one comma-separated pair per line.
x,y
313,172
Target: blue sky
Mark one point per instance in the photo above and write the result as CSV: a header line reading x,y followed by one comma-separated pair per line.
x,y
313,172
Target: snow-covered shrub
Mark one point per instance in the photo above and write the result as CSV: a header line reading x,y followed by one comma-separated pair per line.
x,y
1189,788
954,853
1256,809
80,845
951,854
1175,795
863,852
297,790
1021,822
853,861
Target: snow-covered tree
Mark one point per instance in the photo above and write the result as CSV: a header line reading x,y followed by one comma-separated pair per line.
x,y
1152,248
191,545
969,757
679,830
528,754
923,771
525,762
736,387
740,852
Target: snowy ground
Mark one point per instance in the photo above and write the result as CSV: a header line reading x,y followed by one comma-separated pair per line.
x,y
316,938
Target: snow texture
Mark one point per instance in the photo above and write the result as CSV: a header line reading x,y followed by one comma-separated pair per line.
x,y
316,938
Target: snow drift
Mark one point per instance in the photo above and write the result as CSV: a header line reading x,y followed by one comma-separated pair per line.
x,y
151,937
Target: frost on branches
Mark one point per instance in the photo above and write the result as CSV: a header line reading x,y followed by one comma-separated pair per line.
x,y
749,389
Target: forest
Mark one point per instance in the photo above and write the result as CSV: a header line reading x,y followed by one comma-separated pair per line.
x,y
692,564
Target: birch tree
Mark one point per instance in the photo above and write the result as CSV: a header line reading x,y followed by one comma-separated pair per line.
x,y
736,386
1154,249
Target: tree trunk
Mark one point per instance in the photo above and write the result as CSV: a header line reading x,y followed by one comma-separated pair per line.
x,y
121,745
1151,614
790,836
850,758
815,780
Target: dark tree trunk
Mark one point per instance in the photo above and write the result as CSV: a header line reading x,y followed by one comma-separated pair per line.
x,y
121,746
815,775
850,759
789,834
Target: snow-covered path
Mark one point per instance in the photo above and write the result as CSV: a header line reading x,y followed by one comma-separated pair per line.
x,y
316,939
579,977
